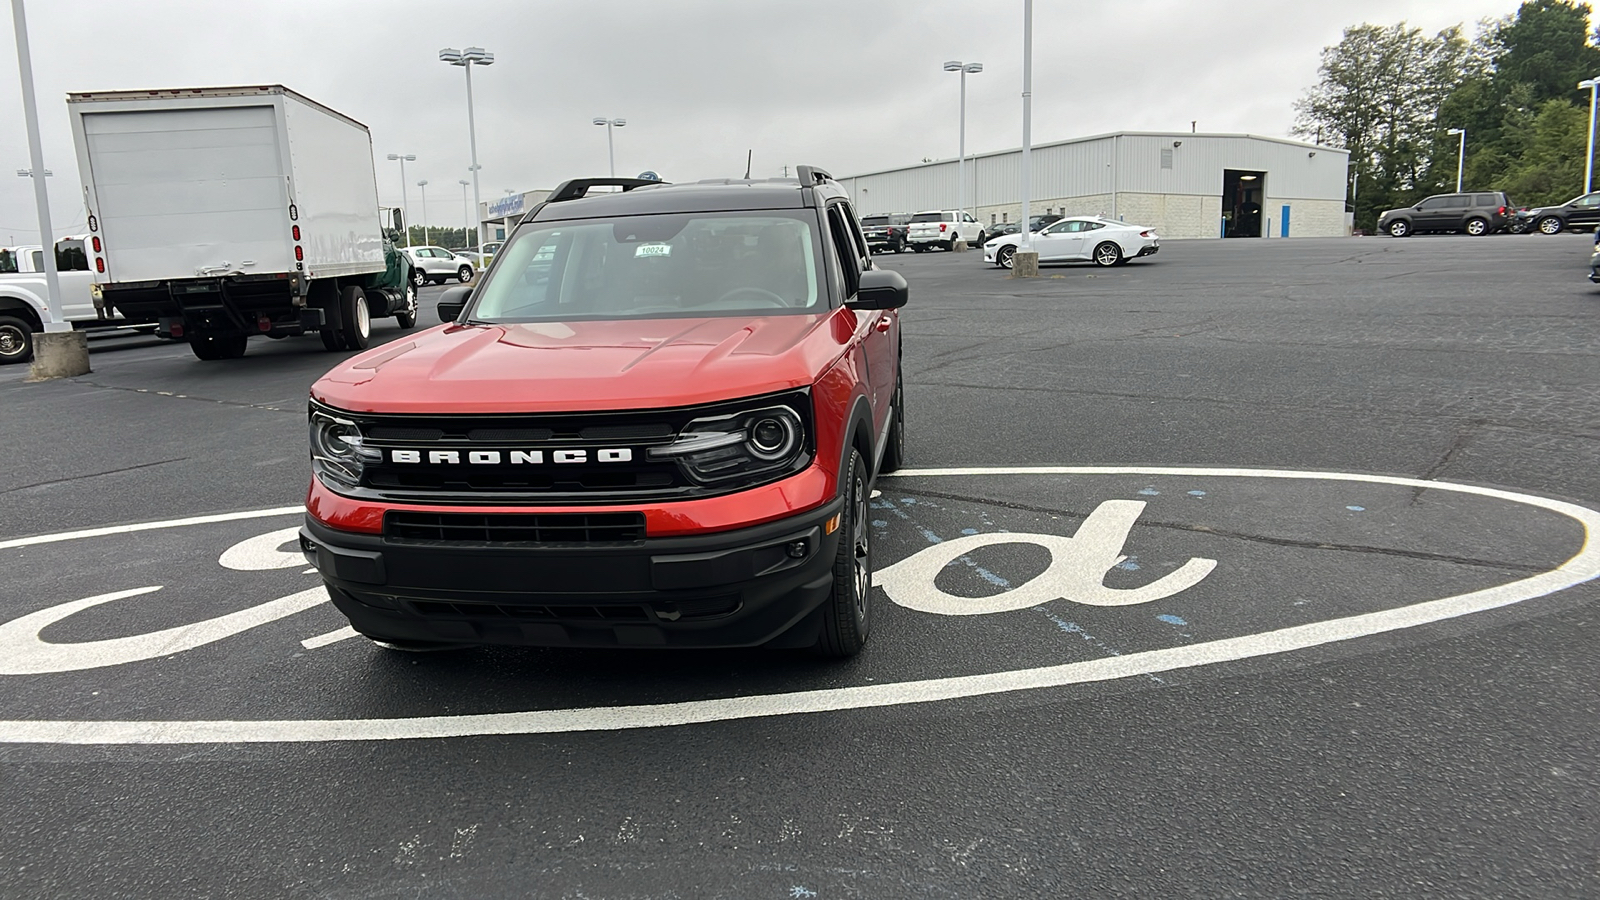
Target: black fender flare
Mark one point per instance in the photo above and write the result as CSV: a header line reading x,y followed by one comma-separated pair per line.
x,y
858,432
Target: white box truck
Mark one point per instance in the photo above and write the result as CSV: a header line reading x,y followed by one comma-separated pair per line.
x,y
221,213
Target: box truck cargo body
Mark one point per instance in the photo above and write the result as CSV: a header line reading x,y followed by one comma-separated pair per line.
x,y
234,211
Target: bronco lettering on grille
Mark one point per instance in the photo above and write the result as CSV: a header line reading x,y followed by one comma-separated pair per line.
x,y
511,457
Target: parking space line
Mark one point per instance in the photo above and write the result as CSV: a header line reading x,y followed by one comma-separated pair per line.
x,y
149,526
332,637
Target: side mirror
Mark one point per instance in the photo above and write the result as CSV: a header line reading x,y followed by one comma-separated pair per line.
x,y
881,289
453,301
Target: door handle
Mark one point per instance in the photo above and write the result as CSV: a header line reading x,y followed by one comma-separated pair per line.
x,y
885,323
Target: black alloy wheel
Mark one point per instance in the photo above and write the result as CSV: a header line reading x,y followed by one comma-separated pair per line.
x,y
1551,225
16,340
1107,254
847,613
1004,256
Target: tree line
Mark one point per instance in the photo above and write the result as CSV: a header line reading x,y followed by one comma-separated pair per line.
x,y
1391,94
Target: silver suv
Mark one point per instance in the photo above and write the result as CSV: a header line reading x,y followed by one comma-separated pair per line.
x,y
942,228
438,264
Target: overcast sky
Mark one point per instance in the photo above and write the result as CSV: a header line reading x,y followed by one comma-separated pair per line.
x,y
848,85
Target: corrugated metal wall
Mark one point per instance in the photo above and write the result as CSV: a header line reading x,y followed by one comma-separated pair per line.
x,y
1122,162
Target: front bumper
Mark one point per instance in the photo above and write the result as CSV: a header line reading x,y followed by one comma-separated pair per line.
x,y
729,589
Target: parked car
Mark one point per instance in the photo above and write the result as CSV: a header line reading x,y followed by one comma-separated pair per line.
x,y
23,309
655,423
942,228
886,232
436,264
1105,242
1579,213
1479,213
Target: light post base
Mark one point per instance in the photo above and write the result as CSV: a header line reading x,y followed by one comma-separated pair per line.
x,y
59,354
960,246
1025,264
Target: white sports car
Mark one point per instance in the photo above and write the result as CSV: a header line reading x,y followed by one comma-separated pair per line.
x,y
1104,242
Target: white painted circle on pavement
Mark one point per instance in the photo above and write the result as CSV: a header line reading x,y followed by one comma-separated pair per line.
x,y
1582,567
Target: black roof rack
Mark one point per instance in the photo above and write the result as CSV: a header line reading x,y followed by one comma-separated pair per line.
x,y
810,175
578,188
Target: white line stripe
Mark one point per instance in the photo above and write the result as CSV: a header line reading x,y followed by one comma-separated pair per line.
x,y
1582,567
332,637
149,526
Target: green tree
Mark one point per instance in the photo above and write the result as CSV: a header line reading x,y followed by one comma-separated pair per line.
x,y
1547,47
1550,168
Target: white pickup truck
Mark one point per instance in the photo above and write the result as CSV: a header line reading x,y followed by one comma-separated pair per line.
x,y
22,295
942,228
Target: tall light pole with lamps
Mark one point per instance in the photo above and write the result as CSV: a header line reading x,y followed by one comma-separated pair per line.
x,y
1461,155
1026,260
424,185
611,148
465,59
466,213
405,202
1588,165
965,68
41,197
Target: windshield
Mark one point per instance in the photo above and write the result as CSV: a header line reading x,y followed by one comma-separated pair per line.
x,y
695,264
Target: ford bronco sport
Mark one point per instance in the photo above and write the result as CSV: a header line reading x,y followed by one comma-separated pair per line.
x,y
654,422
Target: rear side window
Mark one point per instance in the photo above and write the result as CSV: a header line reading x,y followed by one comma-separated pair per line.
x,y
1434,203
1486,200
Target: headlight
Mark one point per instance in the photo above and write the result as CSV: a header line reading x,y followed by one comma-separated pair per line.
x,y
338,451
721,448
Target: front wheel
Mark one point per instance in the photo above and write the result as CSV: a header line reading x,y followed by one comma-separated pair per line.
x,y
1477,227
1399,228
407,315
1550,225
847,613
464,274
1004,256
16,340
1107,254
418,277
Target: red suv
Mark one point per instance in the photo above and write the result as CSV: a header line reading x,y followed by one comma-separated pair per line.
x,y
654,422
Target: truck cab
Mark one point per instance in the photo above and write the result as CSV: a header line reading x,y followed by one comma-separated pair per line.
x,y
23,309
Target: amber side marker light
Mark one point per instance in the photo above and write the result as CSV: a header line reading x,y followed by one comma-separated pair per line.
x,y
833,524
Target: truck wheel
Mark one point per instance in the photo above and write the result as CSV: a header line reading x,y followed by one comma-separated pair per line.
x,y
16,340
355,319
211,347
894,455
464,274
847,613
407,315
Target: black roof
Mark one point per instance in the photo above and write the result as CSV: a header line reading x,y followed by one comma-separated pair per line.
x,y
716,195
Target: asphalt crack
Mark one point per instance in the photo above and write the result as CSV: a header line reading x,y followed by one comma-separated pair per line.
x,y
147,465
176,396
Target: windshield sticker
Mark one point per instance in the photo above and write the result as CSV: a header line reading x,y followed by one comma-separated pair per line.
x,y
644,250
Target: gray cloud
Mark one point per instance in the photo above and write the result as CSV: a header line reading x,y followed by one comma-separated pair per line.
x,y
850,85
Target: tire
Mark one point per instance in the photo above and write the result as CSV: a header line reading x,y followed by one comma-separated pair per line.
x,y
16,340
1476,227
1003,256
407,314
355,319
917,248
894,455
900,247
1398,228
464,274
211,347
1107,254
847,613
947,246
419,278
1551,225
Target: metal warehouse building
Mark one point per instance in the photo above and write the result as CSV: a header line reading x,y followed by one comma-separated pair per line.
x,y
1186,185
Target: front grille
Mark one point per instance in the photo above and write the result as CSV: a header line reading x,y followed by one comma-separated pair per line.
x,y
515,528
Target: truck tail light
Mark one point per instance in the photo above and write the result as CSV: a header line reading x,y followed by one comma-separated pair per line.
x,y
99,265
96,243
299,255
296,231
943,226
264,324
176,330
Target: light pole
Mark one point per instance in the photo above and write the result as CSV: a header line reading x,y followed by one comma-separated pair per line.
x,y
466,213
1588,165
611,148
41,197
424,185
405,203
1461,155
465,59
1027,120
965,69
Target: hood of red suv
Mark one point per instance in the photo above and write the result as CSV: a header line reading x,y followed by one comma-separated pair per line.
x,y
566,366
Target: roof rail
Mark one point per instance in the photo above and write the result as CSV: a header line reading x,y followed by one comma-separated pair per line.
x,y
578,188
810,175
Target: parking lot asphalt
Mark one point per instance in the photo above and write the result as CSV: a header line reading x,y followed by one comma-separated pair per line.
x,y
1252,569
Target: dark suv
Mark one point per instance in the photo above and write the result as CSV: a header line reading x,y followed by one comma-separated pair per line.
x,y
1579,213
886,232
654,422
1483,212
